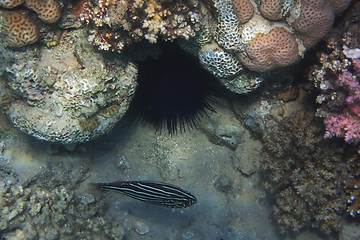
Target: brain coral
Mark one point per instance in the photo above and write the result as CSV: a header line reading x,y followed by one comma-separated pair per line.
x,y
19,29
262,35
11,3
48,11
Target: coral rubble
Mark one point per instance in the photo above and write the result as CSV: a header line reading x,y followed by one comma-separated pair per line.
x,y
36,210
68,93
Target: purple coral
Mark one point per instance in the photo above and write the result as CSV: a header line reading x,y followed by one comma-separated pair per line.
x,y
349,83
343,125
356,64
347,123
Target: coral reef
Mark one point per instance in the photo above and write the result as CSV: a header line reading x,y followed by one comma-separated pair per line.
x,y
315,21
305,173
69,93
20,29
347,124
36,210
337,77
48,11
116,24
277,47
259,36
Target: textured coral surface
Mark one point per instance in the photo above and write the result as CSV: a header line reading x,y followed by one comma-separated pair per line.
x,y
244,10
69,93
315,21
305,174
336,75
11,3
276,49
19,29
51,209
271,9
261,35
48,11
115,24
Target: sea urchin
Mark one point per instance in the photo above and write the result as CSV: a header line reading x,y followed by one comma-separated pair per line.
x,y
173,91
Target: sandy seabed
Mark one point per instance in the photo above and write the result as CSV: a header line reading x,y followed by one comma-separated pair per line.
x,y
232,204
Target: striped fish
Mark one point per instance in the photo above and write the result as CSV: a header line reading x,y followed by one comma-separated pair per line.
x,y
156,193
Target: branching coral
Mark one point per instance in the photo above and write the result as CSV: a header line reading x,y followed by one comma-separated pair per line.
x,y
305,173
115,24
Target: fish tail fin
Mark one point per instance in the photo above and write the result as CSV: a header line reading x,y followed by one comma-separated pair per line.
x,y
94,189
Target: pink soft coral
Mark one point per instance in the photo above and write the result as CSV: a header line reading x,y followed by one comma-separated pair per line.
x,y
349,83
347,124
343,125
356,64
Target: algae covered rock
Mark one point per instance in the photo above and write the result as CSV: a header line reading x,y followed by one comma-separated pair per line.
x,y
68,93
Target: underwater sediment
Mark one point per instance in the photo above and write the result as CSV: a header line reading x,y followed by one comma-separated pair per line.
x,y
71,76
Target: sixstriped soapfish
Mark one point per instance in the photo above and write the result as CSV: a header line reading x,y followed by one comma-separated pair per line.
x,y
156,193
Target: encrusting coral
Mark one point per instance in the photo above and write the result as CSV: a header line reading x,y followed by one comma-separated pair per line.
x,y
244,9
48,207
229,37
48,11
278,47
68,93
336,76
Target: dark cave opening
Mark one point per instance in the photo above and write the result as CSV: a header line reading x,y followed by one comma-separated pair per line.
x,y
174,92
